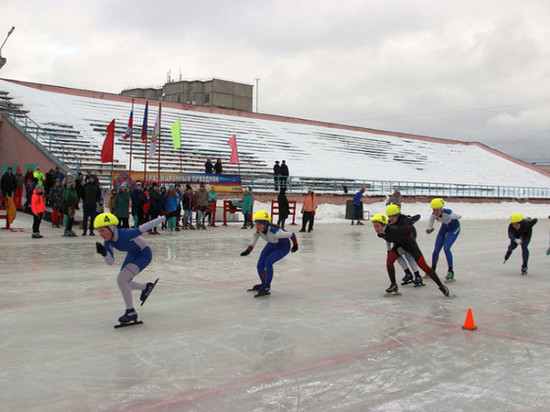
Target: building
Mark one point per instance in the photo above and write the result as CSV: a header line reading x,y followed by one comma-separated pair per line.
x,y
217,93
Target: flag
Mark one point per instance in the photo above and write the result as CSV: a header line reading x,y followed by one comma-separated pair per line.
x,y
234,152
144,127
130,124
176,134
156,134
109,144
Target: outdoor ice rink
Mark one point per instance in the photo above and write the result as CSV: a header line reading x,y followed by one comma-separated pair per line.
x,y
326,338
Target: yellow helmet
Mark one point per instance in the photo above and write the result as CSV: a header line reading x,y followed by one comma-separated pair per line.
x,y
516,218
105,219
379,217
393,210
262,215
437,203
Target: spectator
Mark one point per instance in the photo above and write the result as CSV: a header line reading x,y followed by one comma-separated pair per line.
x,y
179,195
139,199
91,193
70,202
276,175
162,199
284,209
39,176
19,186
218,169
49,181
171,204
212,197
29,188
358,206
112,201
122,206
56,201
248,201
7,183
155,206
284,174
79,185
202,205
188,203
38,206
58,174
208,166
395,198
308,210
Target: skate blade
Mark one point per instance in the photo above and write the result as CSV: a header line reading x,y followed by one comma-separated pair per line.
x,y
422,284
263,294
406,283
451,296
387,295
146,297
449,280
132,323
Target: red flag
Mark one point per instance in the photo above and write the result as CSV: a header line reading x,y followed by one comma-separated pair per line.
x,y
234,152
109,144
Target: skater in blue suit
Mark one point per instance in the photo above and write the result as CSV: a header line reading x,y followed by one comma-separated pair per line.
x,y
138,258
277,247
449,231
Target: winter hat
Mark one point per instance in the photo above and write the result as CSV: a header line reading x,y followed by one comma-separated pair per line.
x,y
124,185
39,187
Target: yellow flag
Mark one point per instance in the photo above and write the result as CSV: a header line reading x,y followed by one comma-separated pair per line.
x,y
176,134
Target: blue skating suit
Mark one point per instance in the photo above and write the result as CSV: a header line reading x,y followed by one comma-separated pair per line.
x,y
449,231
131,241
277,247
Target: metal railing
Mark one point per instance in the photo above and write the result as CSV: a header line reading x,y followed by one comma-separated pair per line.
x,y
381,187
43,139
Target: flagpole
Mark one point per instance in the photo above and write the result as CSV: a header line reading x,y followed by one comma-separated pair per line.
x,y
131,138
158,145
144,130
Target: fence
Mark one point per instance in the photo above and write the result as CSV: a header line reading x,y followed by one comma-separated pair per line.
x,y
299,184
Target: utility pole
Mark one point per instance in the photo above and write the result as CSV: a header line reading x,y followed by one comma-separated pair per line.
x,y
257,80
3,60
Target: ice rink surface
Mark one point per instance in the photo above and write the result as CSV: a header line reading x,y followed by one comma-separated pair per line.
x,y
325,339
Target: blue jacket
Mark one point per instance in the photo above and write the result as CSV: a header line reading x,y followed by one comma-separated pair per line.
x,y
171,203
357,198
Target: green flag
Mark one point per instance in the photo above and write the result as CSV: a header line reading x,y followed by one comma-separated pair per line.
x,y
176,134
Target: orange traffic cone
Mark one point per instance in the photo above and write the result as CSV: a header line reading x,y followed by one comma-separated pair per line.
x,y
469,324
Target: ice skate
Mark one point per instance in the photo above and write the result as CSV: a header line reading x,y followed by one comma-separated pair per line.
x,y
129,316
262,291
392,290
445,290
147,291
407,279
255,288
37,235
524,270
360,223
418,281
450,276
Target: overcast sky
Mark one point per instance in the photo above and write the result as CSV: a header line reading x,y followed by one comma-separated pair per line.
x,y
469,70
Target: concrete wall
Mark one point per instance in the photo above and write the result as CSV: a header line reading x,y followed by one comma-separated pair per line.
x,y
17,150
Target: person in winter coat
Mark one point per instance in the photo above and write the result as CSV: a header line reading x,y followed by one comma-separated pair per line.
x,y
248,202
358,206
202,205
139,199
400,237
284,209
29,188
56,200
520,231
208,166
447,235
276,175
122,206
7,183
284,174
38,206
394,198
91,193
155,206
277,247
112,198
171,204
19,186
188,203
218,168
308,210
212,197
39,176
70,203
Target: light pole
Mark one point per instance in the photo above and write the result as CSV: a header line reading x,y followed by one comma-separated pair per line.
x,y
257,80
2,59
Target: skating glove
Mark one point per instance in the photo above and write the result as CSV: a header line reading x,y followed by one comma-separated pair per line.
x,y
247,251
100,249
174,213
